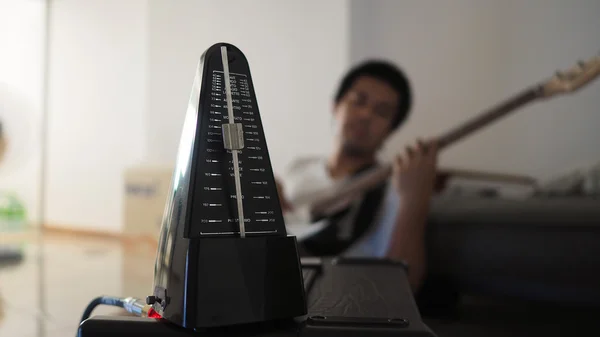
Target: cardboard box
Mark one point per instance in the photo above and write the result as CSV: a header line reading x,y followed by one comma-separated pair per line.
x,y
145,194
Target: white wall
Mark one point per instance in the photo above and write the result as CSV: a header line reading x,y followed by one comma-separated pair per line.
x,y
121,74
466,55
547,35
296,50
21,47
96,108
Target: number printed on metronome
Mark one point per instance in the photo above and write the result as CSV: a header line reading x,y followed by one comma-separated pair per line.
x,y
237,220
262,197
210,221
206,204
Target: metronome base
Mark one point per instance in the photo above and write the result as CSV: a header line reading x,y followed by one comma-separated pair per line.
x,y
234,280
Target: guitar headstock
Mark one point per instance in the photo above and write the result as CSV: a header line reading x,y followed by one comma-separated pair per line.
x,y
573,78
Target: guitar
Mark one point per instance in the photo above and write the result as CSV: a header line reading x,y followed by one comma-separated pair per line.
x,y
323,202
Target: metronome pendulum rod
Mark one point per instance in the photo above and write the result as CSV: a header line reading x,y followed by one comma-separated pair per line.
x,y
233,139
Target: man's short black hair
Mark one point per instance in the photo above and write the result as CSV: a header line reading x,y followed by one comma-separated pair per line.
x,y
386,72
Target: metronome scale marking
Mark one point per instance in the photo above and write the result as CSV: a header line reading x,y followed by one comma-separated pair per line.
x,y
219,207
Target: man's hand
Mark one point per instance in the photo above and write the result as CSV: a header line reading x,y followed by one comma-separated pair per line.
x,y
285,204
415,173
414,179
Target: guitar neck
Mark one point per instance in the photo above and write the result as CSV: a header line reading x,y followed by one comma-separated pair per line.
x,y
489,116
378,175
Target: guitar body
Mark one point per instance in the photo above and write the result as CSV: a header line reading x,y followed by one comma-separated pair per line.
x,y
305,177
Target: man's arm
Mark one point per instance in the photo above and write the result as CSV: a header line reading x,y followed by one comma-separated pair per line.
x,y
414,178
408,242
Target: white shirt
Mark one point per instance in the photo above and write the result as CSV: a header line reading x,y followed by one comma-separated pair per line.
x,y
310,174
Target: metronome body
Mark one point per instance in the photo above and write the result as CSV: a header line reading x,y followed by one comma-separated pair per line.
x,y
211,268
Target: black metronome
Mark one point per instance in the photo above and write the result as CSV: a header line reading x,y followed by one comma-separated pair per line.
x,y
224,256
225,265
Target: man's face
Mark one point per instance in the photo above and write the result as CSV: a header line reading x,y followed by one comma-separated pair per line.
x,y
364,116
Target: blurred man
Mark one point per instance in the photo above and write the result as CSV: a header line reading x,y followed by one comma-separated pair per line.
x,y
372,101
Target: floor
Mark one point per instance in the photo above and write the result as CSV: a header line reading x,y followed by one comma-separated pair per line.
x,y
47,299
49,302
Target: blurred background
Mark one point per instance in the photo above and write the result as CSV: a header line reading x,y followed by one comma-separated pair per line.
x,y
93,95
